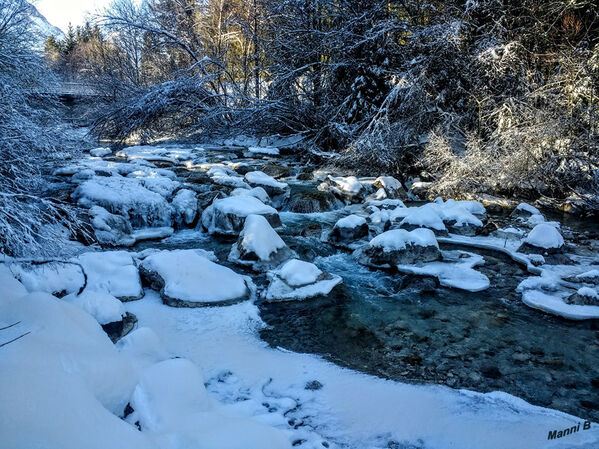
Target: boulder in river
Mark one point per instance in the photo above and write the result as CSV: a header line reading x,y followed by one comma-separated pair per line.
x,y
259,245
349,229
297,280
401,247
227,216
188,278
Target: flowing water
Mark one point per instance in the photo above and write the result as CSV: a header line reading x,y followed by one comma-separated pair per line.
x,y
412,330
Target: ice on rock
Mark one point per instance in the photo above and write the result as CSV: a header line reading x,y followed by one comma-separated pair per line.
x,y
227,216
591,276
126,197
171,403
543,237
104,307
401,247
259,245
350,228
457,216
156,182
297,280
114,272
456,272
68,383
256,192
391,187
111,229
277,191
185,207
186,278
555,305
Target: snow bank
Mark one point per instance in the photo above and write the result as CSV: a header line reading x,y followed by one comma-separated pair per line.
x,y
351,410
186,278
64,384
171,399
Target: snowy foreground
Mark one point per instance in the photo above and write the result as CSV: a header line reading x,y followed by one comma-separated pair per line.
x,y
254,396
193,372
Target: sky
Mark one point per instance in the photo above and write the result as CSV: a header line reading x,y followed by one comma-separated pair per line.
x,y
61,12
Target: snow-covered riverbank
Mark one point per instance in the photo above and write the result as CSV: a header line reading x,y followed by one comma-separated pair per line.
x,y
223,226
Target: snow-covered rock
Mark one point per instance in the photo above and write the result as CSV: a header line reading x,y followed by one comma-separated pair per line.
x,y
426,216
349,188
227,216
457,216
525,210
104,307
126,197
171,400
57,278
271,151
259,245
544,237
391,186
350,228
256,192
401,247
100,152
297,280
277,191
111,229
187,278
584,296
113,272
185,207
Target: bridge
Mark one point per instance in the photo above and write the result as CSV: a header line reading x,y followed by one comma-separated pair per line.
x,y
72,90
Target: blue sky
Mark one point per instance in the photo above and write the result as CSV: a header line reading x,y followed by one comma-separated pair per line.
x,y
61,12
